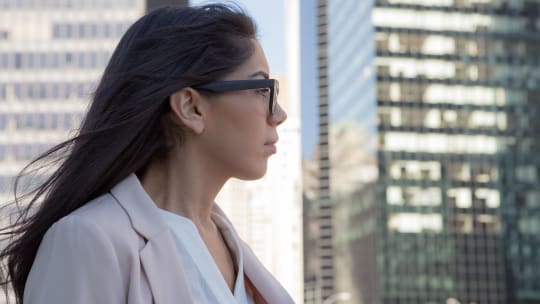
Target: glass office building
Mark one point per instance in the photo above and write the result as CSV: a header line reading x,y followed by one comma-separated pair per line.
x,y
427,167
340,175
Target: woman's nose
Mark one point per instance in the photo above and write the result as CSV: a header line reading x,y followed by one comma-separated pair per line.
x,y
279,116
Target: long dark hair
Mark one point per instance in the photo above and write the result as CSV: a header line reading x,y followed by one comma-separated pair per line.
x,y
126,125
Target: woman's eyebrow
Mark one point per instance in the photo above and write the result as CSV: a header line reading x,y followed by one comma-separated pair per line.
x,y
259,73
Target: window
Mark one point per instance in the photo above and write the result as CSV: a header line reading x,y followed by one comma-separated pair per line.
x,y
6,182
19,91
486,223
119,30
3,120
68,58
4,61
68,121
68,31
459,197
88,30
414,222
460,223
42,60
18,61
93,60
57,33
458,171
82,30
54,121
3,153
29,60
41,121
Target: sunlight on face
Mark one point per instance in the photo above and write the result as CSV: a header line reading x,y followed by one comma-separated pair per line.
x,y
241,133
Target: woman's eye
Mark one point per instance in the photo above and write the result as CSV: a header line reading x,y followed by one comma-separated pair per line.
x,y
263,91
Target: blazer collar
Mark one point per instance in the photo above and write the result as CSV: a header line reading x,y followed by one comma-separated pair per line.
x,y
155,256
141,209
159,258
264,281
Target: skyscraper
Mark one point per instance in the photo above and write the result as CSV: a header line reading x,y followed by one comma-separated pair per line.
x,y
427,180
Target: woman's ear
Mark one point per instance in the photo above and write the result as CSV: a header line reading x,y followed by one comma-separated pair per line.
x,y
187,109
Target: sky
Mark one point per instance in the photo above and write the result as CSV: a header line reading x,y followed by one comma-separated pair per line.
x,y
269,17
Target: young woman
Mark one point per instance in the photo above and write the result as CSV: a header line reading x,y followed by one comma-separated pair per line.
x,y
128,216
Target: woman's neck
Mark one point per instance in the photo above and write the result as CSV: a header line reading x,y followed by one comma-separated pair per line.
x,y
184,184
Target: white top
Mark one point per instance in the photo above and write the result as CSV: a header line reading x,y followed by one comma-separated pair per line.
x,y
207,282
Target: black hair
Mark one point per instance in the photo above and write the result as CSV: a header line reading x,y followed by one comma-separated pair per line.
x,y
126,125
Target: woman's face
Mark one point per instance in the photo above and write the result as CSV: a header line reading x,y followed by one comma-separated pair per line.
x,y
240,133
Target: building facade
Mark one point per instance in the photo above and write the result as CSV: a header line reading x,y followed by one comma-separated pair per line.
x,y
444,202
52,54
340,175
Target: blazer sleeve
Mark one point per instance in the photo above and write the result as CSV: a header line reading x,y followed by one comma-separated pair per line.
x,y
76,263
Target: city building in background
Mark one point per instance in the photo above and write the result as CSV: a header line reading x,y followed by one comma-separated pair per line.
x,y
52,54
341,171
424,185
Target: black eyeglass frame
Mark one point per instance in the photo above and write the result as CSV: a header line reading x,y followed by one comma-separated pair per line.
x,y
245,84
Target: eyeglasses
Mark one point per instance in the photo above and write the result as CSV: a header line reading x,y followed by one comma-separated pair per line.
x,y
247,84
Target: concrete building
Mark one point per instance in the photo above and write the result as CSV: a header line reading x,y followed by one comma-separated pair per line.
x,y
52,54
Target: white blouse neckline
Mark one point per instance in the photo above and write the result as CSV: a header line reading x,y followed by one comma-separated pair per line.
x,y
187,236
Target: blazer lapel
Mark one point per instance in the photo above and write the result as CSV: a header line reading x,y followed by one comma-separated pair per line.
x,y
270,289
159,258
164,270
264,281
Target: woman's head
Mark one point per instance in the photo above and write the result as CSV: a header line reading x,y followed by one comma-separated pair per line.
x,y
163,52
132,118
232,131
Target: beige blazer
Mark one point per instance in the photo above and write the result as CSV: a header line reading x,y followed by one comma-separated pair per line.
x,y
118,249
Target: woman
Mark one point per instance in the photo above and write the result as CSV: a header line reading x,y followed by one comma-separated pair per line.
x,y
184,104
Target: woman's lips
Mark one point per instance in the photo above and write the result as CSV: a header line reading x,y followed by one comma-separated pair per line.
x,y
271,147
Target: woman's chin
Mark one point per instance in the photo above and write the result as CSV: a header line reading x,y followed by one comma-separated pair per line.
x,y
253,173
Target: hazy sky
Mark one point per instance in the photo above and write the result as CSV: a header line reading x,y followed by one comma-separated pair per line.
x,y
269,16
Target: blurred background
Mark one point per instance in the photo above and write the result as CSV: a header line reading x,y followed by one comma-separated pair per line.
x,y
408,170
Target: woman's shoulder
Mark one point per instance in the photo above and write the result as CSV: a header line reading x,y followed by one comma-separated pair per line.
x,y
102,217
